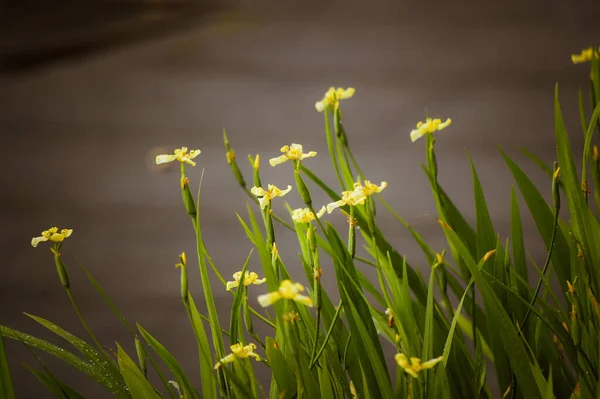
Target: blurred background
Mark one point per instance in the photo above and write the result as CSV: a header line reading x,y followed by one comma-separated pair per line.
x,y
91,91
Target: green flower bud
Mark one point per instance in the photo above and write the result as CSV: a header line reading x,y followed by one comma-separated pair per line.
x,y
188,199
302,189
61,268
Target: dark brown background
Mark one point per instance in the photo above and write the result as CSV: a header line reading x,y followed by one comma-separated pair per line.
x,y
88,93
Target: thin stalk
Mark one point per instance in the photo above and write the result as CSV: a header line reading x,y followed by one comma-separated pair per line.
x,y
330,147
336,316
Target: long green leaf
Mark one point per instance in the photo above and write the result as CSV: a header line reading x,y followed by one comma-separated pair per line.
x,y
6,387
171,363
59,389
236,307
513,346
138,385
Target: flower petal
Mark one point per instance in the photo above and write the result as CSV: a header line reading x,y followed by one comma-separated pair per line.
x,y
258,191
57,237
430,363
309,155
444,124
268,299
303,299
66,232
36,240
165,158
279,160
284,192
321,212
263,201
319,106
416,134
259,281
232,284
334,205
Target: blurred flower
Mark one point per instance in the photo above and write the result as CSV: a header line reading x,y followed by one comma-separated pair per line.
x,y
293,153
332,98
249,278
304,215
585,55
351,198
267,195
240,352
370,188
287,290
429,126
180,154
414,366
53,235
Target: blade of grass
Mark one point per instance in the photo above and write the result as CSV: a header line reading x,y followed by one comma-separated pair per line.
x,y
138,386
6,387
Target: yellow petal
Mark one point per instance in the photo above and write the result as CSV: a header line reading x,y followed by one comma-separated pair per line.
x,y
321,212
259,281
165,158
227,359
66,232
310,154
284,192
268,299
319,106
263,201
258,191
416,134
303,299
57,237
349,92
279,160
444,124
36,240
232,284
334,205
430,363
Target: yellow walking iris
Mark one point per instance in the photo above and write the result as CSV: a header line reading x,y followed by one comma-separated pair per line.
x,y
249,278
332,98
304,215
265,196
585,55
414,365
357,196
429,126
53,235
287,290
238,351
181,154
291,153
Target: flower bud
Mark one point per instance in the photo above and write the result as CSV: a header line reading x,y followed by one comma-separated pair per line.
x,y
61,268
555,187
302,189
188,199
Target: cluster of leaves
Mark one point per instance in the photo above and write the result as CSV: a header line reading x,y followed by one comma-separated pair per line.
x,y
543,343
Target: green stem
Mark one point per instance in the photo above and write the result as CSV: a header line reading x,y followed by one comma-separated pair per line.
x,y
84,323
330,147
546,264
336,316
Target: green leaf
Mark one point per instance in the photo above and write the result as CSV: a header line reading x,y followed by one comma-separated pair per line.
x,y
171,362
112,379
486,235
236,306
138,386
543,216
6,387
513,346
207,374
448,344
360,320
286,382
518,246
545,168
59,389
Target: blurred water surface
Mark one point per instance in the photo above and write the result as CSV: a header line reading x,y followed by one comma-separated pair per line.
x,y
79,134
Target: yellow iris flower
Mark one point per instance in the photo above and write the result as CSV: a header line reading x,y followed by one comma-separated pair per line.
x,y
53,235
332,98
304,215
287,290
249,278
357,196
585,55
238,351
414,365
291,153
429,126
180,154
265,196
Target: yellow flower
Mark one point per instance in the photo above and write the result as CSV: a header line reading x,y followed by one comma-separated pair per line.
x,y
304,215
414,366
53,235
370,188
267,195
238,351
249,278
332,98
287,290
429,126
585,55
291,153
180,154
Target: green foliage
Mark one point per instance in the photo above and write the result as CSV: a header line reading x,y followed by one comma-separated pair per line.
x,y
486,315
